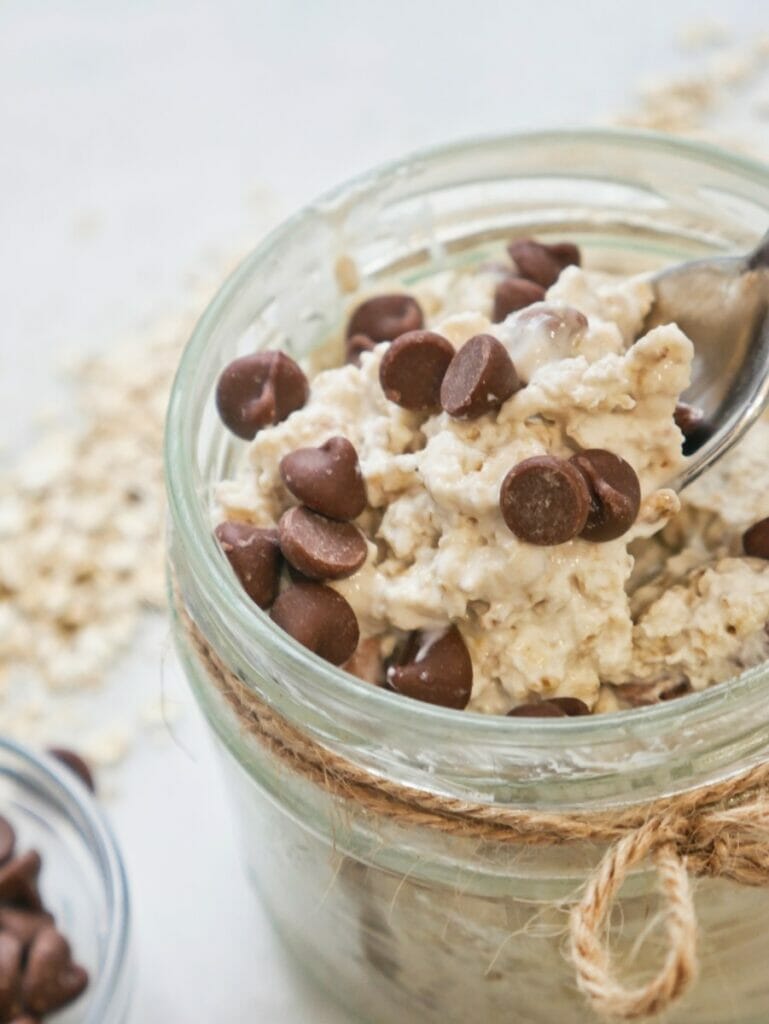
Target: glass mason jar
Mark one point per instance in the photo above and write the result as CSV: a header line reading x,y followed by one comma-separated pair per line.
x,y
83,881
400,920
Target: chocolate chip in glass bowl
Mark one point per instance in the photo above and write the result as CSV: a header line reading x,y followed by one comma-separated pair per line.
x,y
51,977
259,390
321,548
436,668
615,494
514,293
11,953
540,262
318,618
76,764
326,479
755,541
7,840
544,500
254,554
480,378
694,425
386,317
413,368
24,924
19,881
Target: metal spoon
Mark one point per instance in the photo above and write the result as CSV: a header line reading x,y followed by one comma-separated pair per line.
x,y
723,306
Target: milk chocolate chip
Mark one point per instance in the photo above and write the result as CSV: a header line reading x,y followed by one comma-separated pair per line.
x,y
413,368
259,390
356,346
24,924
694,425
437,669
555,707
615,494
326,479
755,541
254,555
321,548
480,377
514,293
7,840
540,262
76,765
320,619
544,500
51,978
18,881
385,317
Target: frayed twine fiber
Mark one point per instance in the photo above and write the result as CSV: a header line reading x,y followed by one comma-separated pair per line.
x,y
719,830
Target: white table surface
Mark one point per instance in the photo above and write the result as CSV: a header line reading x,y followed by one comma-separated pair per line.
x,y
161,126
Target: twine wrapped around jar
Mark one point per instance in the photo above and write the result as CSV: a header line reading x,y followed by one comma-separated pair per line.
x,y
718,830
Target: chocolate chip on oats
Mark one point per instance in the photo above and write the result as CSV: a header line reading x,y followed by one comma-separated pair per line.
x,y
540,262
413,368
18,881
326,479
542,709
321,548
385,317
694,425
544,500
51,977
258,391
514,293
24,924
480,378
356,346
571,706
11,953
254,555
615,494
438,669
320,619
755,541
76,765
7,840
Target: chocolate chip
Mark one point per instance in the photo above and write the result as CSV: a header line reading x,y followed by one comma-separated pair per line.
x,y
326,479
10,976
24,924
51,978
413,368
321,548
542,263
385,317
571,706
755,541
542,709
694,425
18,881
615,494
437,669
480,377
320,619
76,765
356,346
544,500
514,293
26,1019
7,840
254,555
259,390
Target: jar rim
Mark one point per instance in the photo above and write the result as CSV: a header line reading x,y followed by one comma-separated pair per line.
x,y
190,514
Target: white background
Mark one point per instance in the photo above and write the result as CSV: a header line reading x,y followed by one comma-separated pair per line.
x,y
138,138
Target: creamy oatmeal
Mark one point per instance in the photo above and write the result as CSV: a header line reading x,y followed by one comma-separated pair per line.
x,y
483,485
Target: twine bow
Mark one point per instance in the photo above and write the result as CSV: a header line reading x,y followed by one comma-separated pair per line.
x,y
718,830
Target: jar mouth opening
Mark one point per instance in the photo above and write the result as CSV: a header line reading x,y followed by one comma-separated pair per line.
x,y
190,513
79,807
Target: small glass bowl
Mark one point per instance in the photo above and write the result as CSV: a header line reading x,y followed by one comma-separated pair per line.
x,y
83,881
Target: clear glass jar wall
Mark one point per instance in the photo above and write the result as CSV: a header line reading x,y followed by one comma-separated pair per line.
x,y
403,921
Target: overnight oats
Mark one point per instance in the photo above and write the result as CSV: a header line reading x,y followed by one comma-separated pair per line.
x,y
470,605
